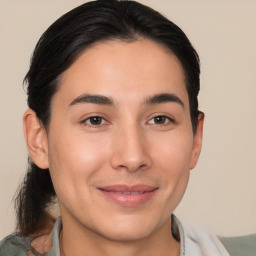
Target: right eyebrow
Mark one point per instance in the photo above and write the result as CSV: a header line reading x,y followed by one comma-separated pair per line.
x,y
92,98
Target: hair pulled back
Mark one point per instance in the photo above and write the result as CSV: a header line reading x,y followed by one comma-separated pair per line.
x,y
59,46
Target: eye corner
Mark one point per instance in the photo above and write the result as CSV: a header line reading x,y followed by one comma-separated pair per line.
x,y
161,119
94,121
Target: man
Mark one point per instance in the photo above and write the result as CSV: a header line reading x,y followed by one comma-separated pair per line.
x,y
113,129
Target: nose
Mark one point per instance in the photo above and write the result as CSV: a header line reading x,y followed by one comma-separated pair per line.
x,y
130,150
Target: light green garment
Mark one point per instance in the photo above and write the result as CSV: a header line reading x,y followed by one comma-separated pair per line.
x,y
15,246
236,246
241,245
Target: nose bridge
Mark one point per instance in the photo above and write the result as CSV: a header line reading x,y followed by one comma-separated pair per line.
x,y
129,148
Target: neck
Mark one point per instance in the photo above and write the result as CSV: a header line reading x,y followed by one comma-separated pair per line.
x,y
75,241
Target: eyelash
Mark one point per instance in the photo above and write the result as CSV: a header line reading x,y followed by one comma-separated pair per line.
x,y
90,119
99,119
167,119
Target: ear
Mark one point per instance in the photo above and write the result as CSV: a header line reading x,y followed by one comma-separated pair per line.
x,y
197,141
36,139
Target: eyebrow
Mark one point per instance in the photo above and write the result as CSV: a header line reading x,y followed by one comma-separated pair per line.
x,y
104,100
95,99
163,98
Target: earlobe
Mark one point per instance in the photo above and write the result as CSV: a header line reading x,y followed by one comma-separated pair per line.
x,y
36,139
197,143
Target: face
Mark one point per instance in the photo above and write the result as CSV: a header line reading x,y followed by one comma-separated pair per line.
x,y
120,143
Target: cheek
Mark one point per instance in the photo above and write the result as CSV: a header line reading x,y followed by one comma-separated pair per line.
x,y
174,153
74,160
173,157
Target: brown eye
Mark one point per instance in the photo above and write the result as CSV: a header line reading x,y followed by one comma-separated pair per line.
x,y
160,120
94,121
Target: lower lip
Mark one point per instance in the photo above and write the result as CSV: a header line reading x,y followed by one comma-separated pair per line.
x,y
129,200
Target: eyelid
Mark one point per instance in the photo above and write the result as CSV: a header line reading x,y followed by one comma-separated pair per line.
x,y
88,116
88,119
167,121
92,114
163,114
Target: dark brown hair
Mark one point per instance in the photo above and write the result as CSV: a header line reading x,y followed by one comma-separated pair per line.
x,y
59,47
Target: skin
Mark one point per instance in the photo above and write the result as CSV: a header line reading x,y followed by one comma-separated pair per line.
x,y
129,146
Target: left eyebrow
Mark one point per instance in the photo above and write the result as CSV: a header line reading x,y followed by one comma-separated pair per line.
x,y
163,98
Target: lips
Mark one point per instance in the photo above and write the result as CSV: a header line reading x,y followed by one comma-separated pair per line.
x,y
130,196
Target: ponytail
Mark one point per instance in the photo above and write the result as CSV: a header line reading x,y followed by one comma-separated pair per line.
x,y
35,195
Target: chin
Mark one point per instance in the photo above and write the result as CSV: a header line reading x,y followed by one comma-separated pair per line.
x,y
130,228
122,234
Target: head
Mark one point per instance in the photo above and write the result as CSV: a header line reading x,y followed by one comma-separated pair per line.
x,y
112,91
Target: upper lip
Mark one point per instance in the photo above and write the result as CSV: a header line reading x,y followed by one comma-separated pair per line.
x,y
128,188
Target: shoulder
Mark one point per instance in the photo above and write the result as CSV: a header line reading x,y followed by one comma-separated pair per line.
x,y
47,244
240,245
15,246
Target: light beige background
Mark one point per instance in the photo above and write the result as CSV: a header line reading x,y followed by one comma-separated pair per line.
x,y
222,190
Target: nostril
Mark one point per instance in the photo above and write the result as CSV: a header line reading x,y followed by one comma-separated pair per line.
x,y
142,166
132,167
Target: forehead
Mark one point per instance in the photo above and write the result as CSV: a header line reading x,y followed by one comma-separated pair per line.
x,y
122,70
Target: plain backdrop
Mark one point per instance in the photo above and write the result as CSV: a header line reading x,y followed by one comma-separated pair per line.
x,y
222,192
